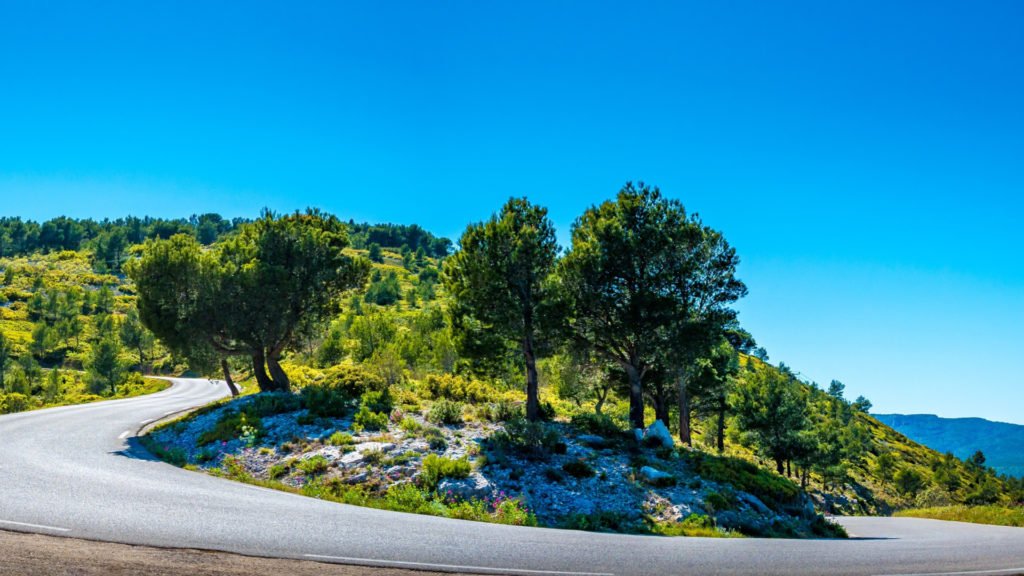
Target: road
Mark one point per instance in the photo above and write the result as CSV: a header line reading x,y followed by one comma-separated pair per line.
x,y
79,471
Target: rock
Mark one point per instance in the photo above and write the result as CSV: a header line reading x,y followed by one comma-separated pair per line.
x,y
396,472
419,446
754,502
658,433
356,478
473,487
351,459
374,447
638,433
653,475
592,439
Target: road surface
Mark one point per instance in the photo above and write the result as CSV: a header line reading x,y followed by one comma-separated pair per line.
x,y
79,471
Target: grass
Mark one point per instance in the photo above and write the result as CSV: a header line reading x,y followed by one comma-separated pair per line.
x,y
994,514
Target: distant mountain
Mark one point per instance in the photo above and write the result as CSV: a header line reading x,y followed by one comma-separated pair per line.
x,y
1002,443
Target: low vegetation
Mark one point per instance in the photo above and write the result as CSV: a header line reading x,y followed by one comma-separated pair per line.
x,y
997,515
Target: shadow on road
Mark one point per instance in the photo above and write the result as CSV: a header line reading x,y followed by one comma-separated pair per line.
x,y
136,451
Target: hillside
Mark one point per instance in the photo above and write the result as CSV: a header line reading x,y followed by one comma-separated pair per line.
x,y
1001,442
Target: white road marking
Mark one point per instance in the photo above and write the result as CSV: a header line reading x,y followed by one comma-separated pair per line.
x,y
476,569
147,421
41,526
170,412
124,435
965,573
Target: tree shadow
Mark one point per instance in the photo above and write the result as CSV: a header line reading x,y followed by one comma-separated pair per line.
x,y
136,450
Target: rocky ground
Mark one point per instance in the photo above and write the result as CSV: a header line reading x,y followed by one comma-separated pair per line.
x,y
577,480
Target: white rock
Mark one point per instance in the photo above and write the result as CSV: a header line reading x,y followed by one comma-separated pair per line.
x,y
475,486
658,431
649,474
352,459
374,447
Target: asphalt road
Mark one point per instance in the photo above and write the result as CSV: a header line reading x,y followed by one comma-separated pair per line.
x,y
77,471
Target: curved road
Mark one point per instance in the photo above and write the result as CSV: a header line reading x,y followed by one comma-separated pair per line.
x,y
78,471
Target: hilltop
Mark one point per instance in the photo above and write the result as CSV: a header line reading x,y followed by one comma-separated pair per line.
x,y
1002,443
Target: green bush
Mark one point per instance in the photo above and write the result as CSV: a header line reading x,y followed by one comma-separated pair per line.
x,y
354,379
502,411
14,402
341,439
719,502
535,440
232,425
280,469
599,424
410,425
772,489
326,401
435,468
332,396
445,412
270,403
435,438
578,469
377,401
600,521
314,465
459,388
365,419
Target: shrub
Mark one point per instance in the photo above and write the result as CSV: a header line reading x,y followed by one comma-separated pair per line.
x,y
445,412
578,469
554,475
435,438
599,424
341,439
323,400
435,468
454,387
354,379
719,502
535,440
314,465
772,489
502,411
332,396
280,469
231,425
600,521
365,419
377,401
270,403
14,402
411,425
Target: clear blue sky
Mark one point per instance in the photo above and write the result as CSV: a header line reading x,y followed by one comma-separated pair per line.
x,y
866,158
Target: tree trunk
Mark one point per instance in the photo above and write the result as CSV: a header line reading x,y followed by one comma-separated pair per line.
x,y
636,397
602,395
259,370
661,402
684,411
789,470
281,381
227,376
721,427
532,389
780,466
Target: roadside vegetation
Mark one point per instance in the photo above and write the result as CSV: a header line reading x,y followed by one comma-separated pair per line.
x,y
605,386
997,515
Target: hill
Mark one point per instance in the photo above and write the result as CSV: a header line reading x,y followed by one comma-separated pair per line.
x,y
1001,442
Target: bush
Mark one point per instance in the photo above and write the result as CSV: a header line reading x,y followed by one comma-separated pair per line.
x,y
535,440
600,521
578,469
314,465
341,439
365,419
332,396
355,379
14,402
280,469
326,401
502,411
435,468
445,412
232,425
772,489
410,425
435,438
719,502
454,387
377,401
599,424
270,403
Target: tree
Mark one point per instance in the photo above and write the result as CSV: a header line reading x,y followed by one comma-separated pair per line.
x,y
103,367
618,282
769,408
705,287
862,404
254,293
909,482
836,389
712,385
135,336
885,466
375,253
6,352
499,278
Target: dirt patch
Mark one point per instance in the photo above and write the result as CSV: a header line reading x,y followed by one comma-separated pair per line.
x,y
38,555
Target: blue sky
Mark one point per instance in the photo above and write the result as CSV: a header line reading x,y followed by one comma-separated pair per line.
x,y
864,157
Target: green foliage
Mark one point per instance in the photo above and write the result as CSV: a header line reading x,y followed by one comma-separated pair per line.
x,y
535,440
502,411
578,469
694,525
377,401
445,411
103,367
600,521
366,419
997,515
599,424
908,481
770,408
270,403
435,468
230,426
313,465
457,388
385,291
773,490
435,438
341,439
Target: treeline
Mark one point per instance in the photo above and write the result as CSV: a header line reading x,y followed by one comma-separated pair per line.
x,y
406,238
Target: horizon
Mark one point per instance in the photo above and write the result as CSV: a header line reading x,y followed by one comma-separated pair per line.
x,y
864,161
